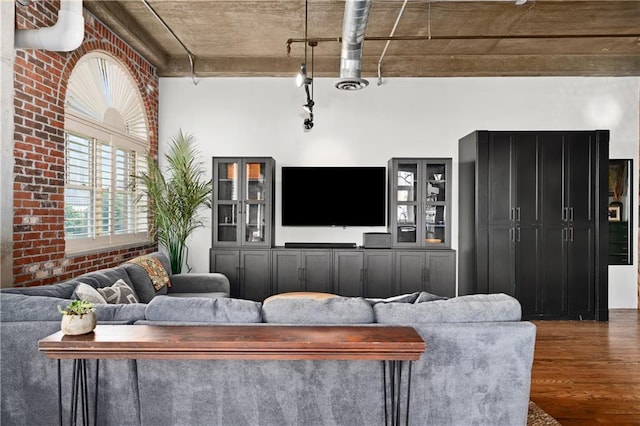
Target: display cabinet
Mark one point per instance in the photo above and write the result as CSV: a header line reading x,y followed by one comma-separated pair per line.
x,y
420,202
243,208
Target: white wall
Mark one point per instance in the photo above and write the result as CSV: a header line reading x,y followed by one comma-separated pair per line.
x,y
403,117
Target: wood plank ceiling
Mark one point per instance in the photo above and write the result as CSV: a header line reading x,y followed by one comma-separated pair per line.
x,y
467,38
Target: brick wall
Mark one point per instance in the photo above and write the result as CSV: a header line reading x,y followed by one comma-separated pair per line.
x,y
40,81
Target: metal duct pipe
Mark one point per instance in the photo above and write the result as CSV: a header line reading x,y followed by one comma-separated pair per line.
x,y
64,36
356,14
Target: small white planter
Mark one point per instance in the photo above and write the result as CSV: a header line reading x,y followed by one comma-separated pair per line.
x,y
78,324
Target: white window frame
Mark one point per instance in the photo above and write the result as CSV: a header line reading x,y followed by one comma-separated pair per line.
x,y
102,133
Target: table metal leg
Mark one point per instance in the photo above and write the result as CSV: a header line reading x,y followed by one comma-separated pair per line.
x,y
392,370
79,393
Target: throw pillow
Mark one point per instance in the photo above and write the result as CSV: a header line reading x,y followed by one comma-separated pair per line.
x,y
301,295
428,297
119,292
154,269
403,298
86,292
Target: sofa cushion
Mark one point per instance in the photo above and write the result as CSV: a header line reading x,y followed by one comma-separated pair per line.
x,y
62,290
86,292
207,294
201,309
338,310
472,308
19,307
120,313
119,292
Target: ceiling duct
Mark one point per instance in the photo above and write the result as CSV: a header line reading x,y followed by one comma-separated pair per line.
x,y
356,14
64,36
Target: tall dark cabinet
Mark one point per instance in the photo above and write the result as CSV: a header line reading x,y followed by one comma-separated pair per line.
x,y
533,220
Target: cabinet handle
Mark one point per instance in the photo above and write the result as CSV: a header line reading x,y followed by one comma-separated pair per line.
x,y
564,234
517,214
512,234
512,214
571,214
564,214
299,274
518,234
571,234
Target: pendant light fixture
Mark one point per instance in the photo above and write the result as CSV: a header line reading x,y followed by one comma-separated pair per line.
x,y
302,79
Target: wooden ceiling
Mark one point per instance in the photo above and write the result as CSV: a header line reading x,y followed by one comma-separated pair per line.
x,y
467,38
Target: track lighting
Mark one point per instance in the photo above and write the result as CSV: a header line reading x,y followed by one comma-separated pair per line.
x,y
308,107
308,123
302,77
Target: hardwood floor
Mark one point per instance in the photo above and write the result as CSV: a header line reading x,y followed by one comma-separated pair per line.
x,y
588,373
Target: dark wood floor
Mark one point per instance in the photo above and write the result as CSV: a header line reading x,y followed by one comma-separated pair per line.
x,y
588,373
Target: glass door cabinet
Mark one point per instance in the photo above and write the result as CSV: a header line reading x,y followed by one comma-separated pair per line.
x,y
243,201
420,202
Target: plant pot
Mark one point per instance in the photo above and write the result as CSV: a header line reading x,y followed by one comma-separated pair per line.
x,y
78,324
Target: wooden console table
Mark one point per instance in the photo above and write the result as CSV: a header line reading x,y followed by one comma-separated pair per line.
x,y
389,344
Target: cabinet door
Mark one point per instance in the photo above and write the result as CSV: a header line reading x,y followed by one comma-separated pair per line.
x,y
436,216
500,192
378,273
348,273
316,271
441,276
410,269
404,203
527,269
526,172
553,273
257,199
286,272
227,205
227,262
580,272
256,279
580,177
552,188
501,259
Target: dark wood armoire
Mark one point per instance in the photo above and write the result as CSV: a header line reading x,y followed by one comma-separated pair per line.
x,y
533,220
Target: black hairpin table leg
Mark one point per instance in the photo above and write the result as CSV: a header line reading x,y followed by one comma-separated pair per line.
x,y
392,374
79,393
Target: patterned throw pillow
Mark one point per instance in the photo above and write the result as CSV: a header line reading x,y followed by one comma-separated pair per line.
x,y
153,267
86,292
119,292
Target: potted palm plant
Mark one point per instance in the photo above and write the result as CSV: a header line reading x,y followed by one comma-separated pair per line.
x,y
175,197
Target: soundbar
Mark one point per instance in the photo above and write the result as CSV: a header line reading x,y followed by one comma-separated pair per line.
x,y
320,245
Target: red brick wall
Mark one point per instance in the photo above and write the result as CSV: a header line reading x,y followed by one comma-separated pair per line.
x,y
40,82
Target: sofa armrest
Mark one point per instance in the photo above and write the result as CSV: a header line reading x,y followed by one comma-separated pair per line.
x,y
199,283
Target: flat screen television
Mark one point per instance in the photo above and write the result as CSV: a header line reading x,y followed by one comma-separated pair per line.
x,y
333,196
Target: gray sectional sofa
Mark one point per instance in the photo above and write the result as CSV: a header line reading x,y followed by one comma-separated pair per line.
x,y
476,369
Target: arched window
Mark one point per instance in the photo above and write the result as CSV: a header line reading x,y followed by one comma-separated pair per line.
x,y
106,141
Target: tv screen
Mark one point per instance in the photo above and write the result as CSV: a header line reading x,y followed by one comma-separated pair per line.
x,y
333,196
